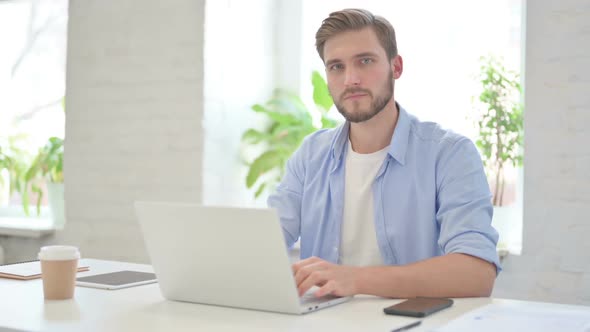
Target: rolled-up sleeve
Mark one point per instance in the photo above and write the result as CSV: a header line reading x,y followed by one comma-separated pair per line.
x,y
464,208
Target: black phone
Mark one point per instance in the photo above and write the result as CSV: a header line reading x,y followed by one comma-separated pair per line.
x,y
418,307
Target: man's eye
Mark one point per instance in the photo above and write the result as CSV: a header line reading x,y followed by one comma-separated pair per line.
x,y
337,66
366,61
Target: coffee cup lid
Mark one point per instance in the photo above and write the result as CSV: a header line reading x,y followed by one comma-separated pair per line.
x,y
59,253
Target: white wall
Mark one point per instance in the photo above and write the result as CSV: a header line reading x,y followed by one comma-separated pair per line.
x,y
134,96
555,264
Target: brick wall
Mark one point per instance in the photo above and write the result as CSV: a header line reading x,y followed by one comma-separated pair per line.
x,y
555,264
134,93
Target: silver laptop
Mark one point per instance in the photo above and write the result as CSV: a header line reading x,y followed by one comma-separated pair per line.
x,y
231,257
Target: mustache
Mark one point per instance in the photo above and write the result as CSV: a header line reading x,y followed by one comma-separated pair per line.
x,y
351,91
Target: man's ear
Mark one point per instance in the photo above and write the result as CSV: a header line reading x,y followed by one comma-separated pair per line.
x,y
397,66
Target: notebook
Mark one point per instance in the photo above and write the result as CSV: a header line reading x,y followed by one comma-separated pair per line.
x,y
27,270
232,257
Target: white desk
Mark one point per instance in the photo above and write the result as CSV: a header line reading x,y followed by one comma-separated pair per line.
x,y
144,309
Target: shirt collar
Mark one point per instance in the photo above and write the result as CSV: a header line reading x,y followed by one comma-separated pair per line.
x,y
401,135
399,140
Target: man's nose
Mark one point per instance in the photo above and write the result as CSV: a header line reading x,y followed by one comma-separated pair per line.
x,y
352,77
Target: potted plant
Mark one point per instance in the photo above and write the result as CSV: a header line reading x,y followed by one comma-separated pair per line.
x,y
500,123
289,122
6,165
500,137
13,165
47,167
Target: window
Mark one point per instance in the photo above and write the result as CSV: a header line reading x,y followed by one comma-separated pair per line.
x,y
441,43
32,82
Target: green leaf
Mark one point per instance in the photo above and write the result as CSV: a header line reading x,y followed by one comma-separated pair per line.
x,y
287,103
36,189
275,116
265,162
288,122
321,94
25,200
328,123
259,190
253,136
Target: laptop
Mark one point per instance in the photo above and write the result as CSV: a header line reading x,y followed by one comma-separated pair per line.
x,y
234,257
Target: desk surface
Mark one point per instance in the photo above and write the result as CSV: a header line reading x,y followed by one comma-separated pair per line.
x,y
143,308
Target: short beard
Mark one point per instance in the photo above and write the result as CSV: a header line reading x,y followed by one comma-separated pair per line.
x,y
377,105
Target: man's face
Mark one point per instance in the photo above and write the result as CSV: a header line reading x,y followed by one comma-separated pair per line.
x,y
360,75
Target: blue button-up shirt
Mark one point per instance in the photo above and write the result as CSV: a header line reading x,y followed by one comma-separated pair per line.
x,y
431,196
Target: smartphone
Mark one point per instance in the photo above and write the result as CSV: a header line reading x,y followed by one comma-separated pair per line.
x,y
418,307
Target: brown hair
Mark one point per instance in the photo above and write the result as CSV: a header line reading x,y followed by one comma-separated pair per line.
x,y
356,19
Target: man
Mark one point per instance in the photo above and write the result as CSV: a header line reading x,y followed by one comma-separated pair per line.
x,y
385,204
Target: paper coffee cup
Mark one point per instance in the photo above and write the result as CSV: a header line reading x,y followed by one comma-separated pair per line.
x,y
59,265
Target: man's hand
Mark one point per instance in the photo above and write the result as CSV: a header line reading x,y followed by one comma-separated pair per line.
x,y
332,279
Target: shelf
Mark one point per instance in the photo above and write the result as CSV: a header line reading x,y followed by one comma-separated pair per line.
x,y
26,227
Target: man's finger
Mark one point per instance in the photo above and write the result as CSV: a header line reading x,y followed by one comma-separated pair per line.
x,y
302,274
305,271
326,289
304,262
314,278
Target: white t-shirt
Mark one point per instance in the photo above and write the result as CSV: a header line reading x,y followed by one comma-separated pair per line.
x,y
358,245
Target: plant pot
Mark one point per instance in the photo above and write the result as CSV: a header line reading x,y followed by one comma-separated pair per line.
x,y
508,222
55,196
